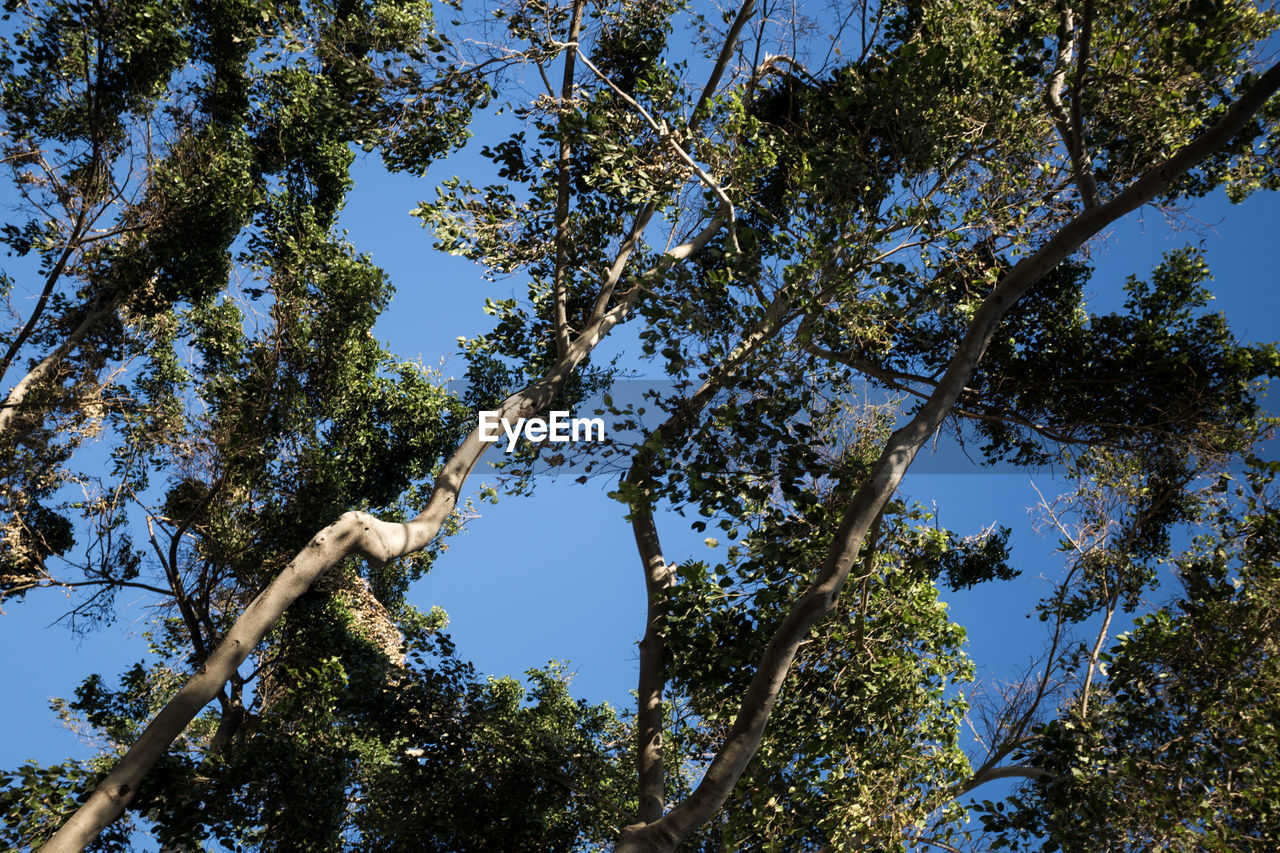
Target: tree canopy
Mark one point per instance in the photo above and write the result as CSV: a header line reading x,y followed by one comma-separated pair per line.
x,y
772,207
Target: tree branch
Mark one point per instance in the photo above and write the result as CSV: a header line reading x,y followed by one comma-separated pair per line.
x,y
1011,772
1097,651
1082,166
9,408
664,133
563,163
353,534
747,9
51,583
744,735
1071,128
73,242
897,380
170,567
650,767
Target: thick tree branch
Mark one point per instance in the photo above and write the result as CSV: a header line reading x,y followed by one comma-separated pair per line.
x,y
9,408
1011,772
354,534
685,250
614,274
726,51
563,164
233,713
1071,127
743,737
868,572
1084,169
650,767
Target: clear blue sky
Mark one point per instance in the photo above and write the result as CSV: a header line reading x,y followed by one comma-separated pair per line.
x,y
555,576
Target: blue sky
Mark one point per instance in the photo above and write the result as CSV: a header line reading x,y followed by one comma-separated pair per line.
x,y
555,576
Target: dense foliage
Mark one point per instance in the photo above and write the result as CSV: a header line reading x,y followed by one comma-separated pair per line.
x,y
785,205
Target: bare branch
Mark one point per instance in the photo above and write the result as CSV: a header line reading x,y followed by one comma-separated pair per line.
x,y
726,50
73,243
1097,651
51,583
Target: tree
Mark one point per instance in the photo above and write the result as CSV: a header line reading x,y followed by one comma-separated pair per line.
x,y
908,211
144,140
1171,751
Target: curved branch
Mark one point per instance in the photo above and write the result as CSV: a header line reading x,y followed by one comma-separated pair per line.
x,y
1011,772
354,534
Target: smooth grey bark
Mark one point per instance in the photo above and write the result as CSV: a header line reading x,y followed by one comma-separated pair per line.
x,y
353,534
1014,771
743,738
